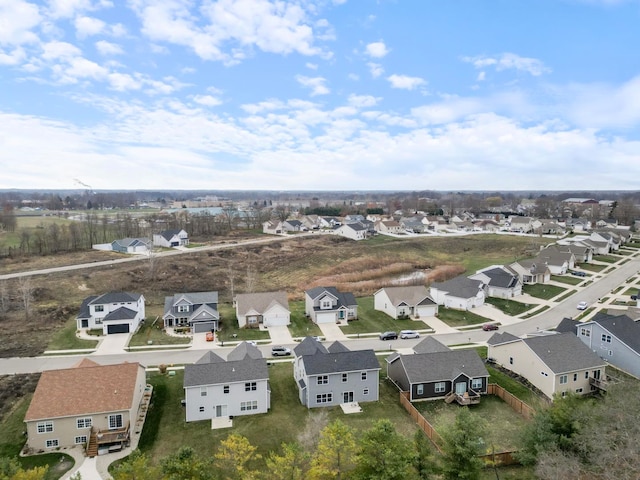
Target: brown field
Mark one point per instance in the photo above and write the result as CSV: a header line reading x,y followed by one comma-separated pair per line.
x,y
293,265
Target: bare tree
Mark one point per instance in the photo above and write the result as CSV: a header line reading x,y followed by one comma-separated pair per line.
x,y
153,256
252,278
26,293
4,297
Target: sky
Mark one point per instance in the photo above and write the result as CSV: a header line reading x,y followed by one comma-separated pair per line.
x,y
320,95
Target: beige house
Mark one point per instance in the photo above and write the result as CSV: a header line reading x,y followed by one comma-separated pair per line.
x,y
265,308
555,364
88,404
405,301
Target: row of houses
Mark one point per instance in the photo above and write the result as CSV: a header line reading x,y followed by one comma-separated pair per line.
x,y
142,245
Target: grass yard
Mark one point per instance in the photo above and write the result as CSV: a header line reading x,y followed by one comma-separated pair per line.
x,y
150,332
566,295
510,307
632,291
66,339
607,258
591,267
165,427
229,329
460,318
516,388
503,425
570,280
300,325
540,290
373,321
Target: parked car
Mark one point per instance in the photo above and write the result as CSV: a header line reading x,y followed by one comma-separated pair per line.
x,y
634,297
388,336
209,337
487,327
279,351
578,274
409,334
582,305
252,342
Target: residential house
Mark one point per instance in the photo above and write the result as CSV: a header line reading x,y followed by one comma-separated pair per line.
x,y
353,231
461,293
520,224
197,310
413,224
331,376
293,225
582,253
328,305
499,281
531,271
578,224
558,262
615,339
548,227
221,389
389,226
262,309
113,312
329,222
273,227
555,364
131,245
311,222
88,405
486,225
406,301
609,237
171,238
439,373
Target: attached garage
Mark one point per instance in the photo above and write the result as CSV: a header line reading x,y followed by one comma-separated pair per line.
x,y
117,328
201,327
325,317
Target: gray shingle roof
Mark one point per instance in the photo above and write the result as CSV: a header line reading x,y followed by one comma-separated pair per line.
x,y
500,277
122,313
622,326
337,347
210,357
502,337
430,345
115,297
563,352
460,286
567,325
340,362
244,350
411,295
441,366
345,299
309,346
260,301
169,234
200,374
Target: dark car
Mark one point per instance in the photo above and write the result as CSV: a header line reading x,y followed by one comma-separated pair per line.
x,y
388,336
578,274
487,327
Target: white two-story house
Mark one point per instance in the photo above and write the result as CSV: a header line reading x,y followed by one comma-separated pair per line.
x,y
113,312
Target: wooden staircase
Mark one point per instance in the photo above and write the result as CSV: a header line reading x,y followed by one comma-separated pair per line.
x,y
451,396
92,446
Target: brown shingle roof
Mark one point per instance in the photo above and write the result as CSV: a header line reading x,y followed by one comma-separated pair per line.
x,y
85,389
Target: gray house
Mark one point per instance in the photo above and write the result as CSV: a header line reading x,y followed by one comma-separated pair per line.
x,y
499,281
461,293
615,339
331,376
171,238
438,372
196,310
328,305
131,245
217,388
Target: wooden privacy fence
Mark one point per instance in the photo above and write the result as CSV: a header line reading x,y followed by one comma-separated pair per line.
x,y
514,402
422,422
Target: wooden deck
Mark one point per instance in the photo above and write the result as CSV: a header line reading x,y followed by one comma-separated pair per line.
x,y
468,398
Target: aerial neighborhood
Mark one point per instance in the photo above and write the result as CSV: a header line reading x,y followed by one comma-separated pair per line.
x,y
429,339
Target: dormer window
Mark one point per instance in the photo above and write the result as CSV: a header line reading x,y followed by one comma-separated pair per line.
x,y
183,308
325,304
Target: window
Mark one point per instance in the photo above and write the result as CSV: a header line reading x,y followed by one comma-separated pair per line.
x,y
83,422
201,409
364,376
606,338
575,377
544,374
45,427
183,308
52,443
420,389
99,308
246,406
97,321
225,389
440,387
250,387
203,391
510,360
80,440
344,377
115,421
585,332
325,304
578,390
476,383
564,394
610,353
365,391
323,379
563,379
324,398
586,374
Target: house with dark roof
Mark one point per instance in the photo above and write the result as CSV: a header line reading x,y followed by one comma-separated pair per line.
x,y
499,281
558,262
335,375
215,388
555,364
615,339
461,293
328,305
262,309
197,310
582,253
438,372
405,301
88,405
131,245
113,312
531,271
272,227
171,238
353,231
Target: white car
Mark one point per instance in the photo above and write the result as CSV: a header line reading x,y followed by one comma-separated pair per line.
x,y
409,334
582,306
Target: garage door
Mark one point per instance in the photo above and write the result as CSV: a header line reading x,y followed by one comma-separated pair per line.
x,y
325,317
201,327
118,328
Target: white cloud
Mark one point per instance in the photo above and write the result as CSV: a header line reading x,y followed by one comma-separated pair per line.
x,y
17,20
88,26
405,82
107,48
207,100
13,57
376,49
481,76
68,8
509,61
363,100
56,50
311,66
375,69
123,82
316,84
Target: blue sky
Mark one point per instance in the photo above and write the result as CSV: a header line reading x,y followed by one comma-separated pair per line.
x,y
320,95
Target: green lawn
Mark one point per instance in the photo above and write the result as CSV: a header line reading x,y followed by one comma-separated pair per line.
x,y
154,332
566,295
503,425
66,339
570,280
373,321
229,329
516,388
510,307
459,318
632,291
543,291
606,258
300,325
592,267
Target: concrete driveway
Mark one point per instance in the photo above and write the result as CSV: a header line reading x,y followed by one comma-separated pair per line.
x,y
332,332
114,343
280,335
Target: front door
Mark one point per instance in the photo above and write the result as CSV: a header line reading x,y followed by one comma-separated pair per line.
x,y
347,397
461,387
221,410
